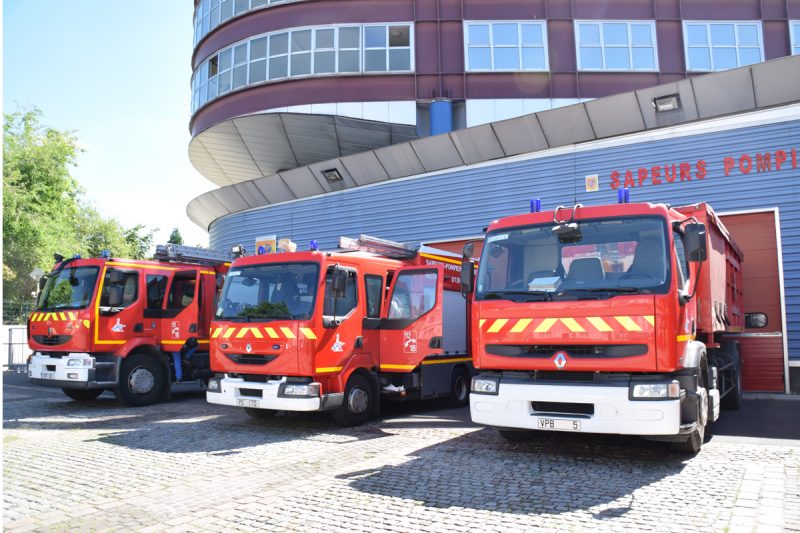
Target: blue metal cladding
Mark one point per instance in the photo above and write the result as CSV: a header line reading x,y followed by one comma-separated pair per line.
x,y
461,203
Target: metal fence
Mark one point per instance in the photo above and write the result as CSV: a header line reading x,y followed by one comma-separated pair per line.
x,y
14,347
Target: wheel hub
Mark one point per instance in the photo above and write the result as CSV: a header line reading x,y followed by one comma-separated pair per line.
x,y
461,388
141,380
358,400
703,406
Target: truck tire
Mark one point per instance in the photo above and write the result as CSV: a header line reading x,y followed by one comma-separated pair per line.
x,y
141,381
694,440
83,395
459,388
259,414
357,406
517,435
733,400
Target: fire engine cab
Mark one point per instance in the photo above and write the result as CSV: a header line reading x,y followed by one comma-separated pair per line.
x,y
133,327
335,331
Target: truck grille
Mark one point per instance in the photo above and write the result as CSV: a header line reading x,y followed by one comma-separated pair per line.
x,y
253,393
55,340
564,408
545,351
250,359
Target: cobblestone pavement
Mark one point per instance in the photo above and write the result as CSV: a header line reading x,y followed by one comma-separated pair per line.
x,y
190,466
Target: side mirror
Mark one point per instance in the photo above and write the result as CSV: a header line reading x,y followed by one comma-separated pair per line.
x,y
467,278
695,239
339,282
42,282
469,250
755,320
114,296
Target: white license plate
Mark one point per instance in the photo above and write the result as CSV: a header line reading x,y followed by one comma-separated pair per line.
x,y
558,424
48,375
245,402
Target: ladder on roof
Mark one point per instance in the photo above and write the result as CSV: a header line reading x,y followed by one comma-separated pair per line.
x,y
377,246
190,254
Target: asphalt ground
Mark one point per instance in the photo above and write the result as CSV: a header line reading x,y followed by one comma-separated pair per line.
x,y
187,465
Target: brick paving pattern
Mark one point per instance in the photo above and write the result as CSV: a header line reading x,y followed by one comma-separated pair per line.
x,y
190,466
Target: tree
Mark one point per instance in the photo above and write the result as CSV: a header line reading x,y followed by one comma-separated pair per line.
x,y
139,243
175,237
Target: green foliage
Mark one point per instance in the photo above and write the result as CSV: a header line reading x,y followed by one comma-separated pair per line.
x,y
44,211
175,237
266,310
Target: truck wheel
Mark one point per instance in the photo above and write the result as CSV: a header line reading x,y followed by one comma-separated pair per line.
x,y
83,395
695,439
259,414
141,381
459,388
517,435
358,402
733,400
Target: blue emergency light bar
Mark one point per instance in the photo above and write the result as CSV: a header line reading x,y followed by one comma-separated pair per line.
x,y
624,196
105,254
536,205
313,245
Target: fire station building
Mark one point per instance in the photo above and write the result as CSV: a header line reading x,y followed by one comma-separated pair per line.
x,y
423,120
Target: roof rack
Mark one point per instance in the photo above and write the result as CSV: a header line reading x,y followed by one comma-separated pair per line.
x,y
190,254
377,246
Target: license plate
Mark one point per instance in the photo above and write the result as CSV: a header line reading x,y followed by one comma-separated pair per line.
x,y
559,424
48,375
245,402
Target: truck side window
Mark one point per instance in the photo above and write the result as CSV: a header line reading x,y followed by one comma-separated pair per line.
x,y
156,290
181,294
680,255
343,305
374,289
119,286
414,294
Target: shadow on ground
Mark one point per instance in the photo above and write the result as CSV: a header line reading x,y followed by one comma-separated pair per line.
x,y
767,418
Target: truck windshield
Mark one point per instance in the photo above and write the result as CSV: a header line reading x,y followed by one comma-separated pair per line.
x,y
69,288
275,291
598,258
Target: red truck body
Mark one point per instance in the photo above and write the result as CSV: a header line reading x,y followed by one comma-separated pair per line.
x,y
598,319
104,323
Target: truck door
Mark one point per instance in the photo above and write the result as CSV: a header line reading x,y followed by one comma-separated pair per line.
x,y
180,313
119,314
411,328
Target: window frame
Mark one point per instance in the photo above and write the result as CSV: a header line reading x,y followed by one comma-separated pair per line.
x,y
198,21
630,46
794,37
707,23
520,46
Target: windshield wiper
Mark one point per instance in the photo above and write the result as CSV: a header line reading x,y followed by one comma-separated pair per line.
x,y
611,289
251,318
503,295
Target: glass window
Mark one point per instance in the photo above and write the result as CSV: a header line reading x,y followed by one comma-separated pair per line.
x,y
374,291
120,289
624,46
274,291
345,303
506,46
722,45
156,290
69,288
680,256
181,292
414,294
794,35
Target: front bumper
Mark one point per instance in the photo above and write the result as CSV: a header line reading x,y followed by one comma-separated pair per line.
x,y
56,372
240,393
614,412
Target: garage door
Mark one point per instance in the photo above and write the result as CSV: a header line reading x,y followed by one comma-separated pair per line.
x,y
763,350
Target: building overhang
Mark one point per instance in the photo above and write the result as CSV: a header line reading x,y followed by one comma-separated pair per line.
x,y
741,90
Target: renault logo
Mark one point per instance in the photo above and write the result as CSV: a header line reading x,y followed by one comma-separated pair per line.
x,y
560,360
249,348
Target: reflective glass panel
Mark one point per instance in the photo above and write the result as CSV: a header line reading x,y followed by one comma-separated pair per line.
x,y
324,38
301,41
258,48
278,67
399,36
696,34
644,58
239,76
479,58
641,34
278,44
618,58
589,33
349,38
301,64
614,33
506,58
722,34
748,35
724,58
749,56
591,58
699,59
479,34
374,60
258,71
533,58
324,62
375,37
505,34
532,34
348,61
399,60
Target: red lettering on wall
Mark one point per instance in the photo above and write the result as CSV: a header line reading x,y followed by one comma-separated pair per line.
x,y
701,169
629,183
614,179
794,158
669,173
656,172
727,165
780,158
745,164
686,172
642,176
764,162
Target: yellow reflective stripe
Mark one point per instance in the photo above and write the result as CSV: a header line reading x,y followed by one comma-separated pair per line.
x,y
34,317
521,324
211,272
62,316
628,323
216,333
497,325
86,323
398,367
572,325
598,323
650,319
684,338
271,333
328,369
135,265
443,361
72,316
308,333
545,326
480,323
288,332
257,334
242,333
228,333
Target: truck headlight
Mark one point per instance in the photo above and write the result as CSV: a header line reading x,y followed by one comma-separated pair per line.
x,y
213,385
80,361
308,390
484,385
655,391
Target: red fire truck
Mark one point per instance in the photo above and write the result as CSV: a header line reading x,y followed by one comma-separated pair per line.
x,y
130,326
607,319
335,331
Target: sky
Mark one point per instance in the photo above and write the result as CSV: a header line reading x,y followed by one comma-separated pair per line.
x,y
117,74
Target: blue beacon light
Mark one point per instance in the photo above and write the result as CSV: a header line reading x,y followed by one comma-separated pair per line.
x,y
536,205
624,196
313,245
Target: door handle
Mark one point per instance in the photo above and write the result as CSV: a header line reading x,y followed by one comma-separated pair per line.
x,y
193,328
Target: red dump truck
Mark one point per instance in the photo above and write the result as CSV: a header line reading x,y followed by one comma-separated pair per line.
x,y
335,331
607,319
133,327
